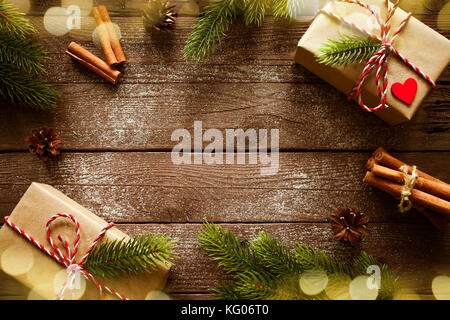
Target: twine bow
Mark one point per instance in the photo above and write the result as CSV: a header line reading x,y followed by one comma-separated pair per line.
x,y
67,257
379,60
409,183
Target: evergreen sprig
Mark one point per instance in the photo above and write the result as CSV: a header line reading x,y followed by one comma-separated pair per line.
x,y
117,258
215,21
13,22
21,68
266,269
348,50
210,29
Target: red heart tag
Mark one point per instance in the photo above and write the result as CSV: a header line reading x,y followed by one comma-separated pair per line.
x,y
405,92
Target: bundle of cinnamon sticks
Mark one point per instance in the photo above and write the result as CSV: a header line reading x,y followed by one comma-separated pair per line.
x,y
430,196
110,44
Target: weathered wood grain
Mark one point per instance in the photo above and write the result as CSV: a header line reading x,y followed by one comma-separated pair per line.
x,y
143,117
148,187
415,253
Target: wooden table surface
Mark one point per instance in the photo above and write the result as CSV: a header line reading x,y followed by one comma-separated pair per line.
x,y
116,158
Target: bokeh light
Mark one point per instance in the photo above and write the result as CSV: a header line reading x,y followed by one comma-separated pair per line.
x,y
43,291
87,27
338,287
55,21
17,260
96,38
359,289
313,282
304,10
443,20
70,294
441,287
157,295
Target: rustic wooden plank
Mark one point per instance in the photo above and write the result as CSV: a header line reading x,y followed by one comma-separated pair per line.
x,y
309,117
415,253
148,187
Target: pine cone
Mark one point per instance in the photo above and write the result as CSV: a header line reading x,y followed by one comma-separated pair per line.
x,y
44,142
349,225
159,15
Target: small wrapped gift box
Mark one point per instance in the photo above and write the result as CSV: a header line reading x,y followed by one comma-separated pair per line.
x,y
34,268
426,52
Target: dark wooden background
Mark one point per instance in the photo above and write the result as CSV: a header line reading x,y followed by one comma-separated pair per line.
x,y
116,158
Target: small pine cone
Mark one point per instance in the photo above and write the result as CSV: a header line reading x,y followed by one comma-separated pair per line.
x,y
159,15
44,142
349,225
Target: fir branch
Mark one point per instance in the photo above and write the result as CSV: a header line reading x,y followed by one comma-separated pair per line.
x,y
265,269
210,29
310,259
23,88
347,50
222,245
255,11
286,10
276,257
24,54
13,22
116,258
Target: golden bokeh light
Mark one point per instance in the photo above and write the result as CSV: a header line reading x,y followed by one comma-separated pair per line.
x,y
70,294
338,287
96,38
406,294
17,260
441,287
55,21
87,27
303,10
359,289
157,295
313,282
43,291
443,20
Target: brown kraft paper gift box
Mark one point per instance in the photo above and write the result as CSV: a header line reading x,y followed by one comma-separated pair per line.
x,y
423,46
37,270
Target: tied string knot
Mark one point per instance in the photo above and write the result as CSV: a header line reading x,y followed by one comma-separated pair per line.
x,y
379,60
66,257
408,185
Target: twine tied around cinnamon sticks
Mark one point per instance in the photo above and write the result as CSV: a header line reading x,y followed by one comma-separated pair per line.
x,y
410,181
414,188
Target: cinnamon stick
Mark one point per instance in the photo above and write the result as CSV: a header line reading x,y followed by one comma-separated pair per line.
x,y
114,40
439,189
383,157
417,197
103,35
93,62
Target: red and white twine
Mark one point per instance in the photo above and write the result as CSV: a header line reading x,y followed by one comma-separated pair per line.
x,y
379,60
67,258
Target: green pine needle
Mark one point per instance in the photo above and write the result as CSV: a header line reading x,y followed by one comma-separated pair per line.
x,y
218,16
255,11
26,89
24,54
13,21
21,68
266,269
210,29
117,258
347,50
